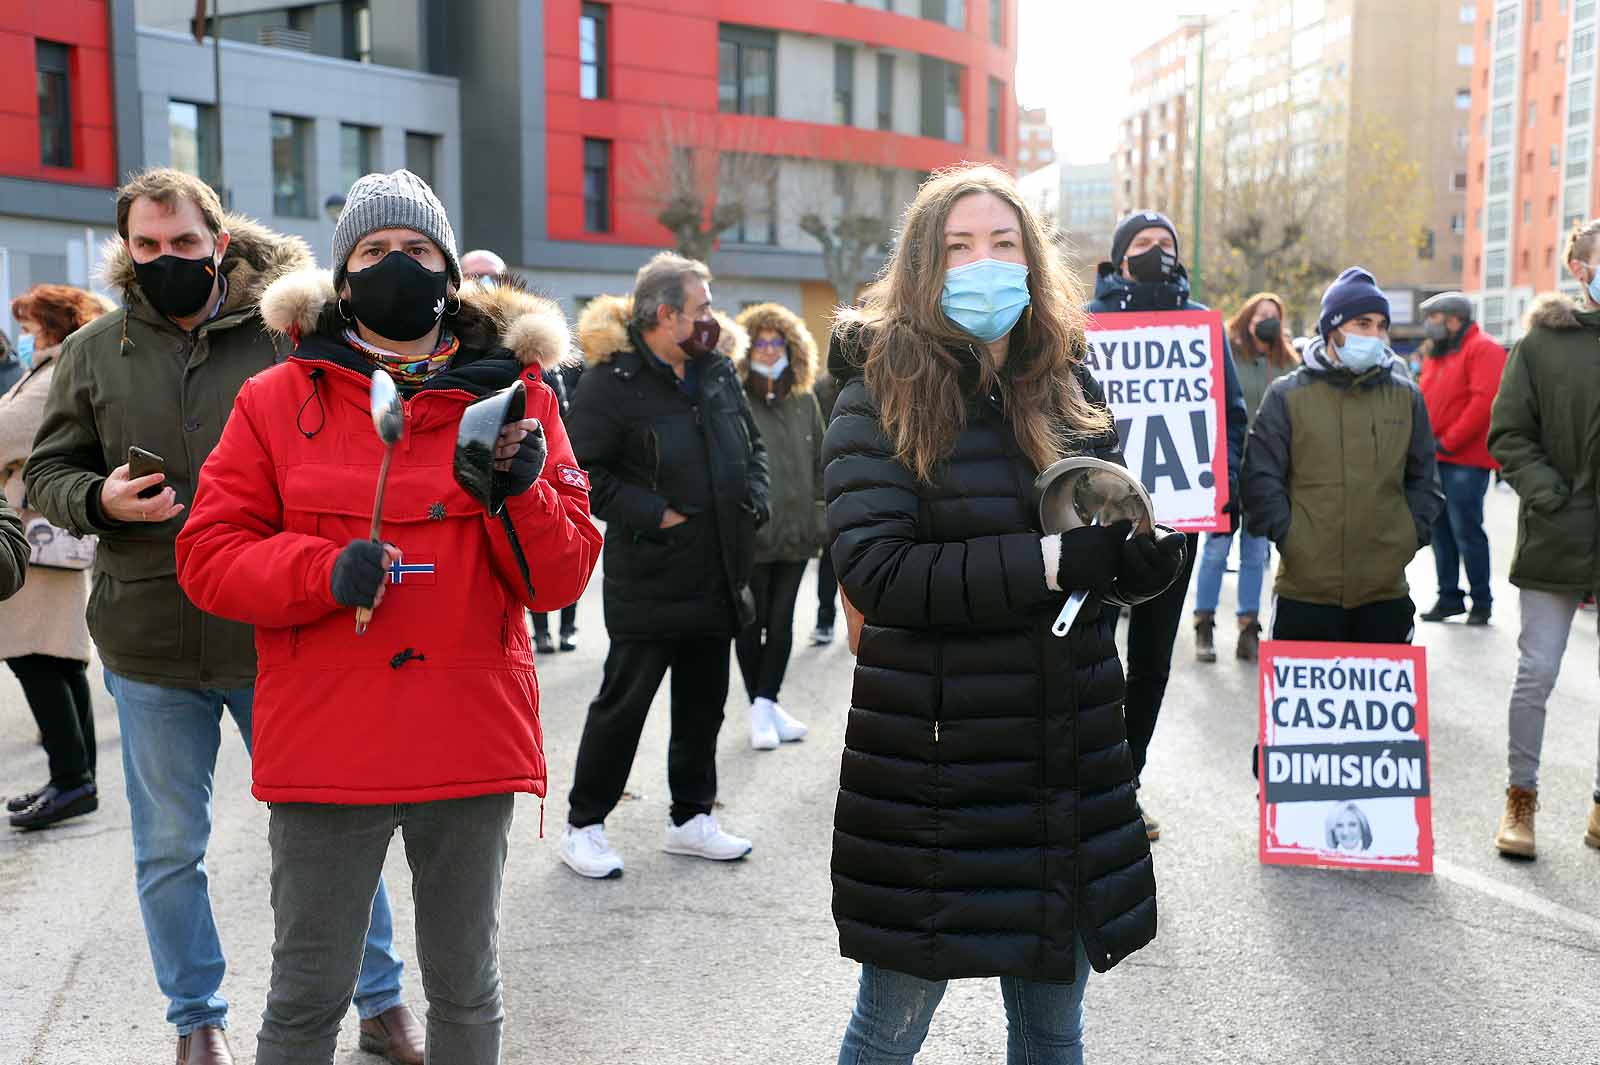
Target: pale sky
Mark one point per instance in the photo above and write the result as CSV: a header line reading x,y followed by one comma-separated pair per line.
x,y
1073,58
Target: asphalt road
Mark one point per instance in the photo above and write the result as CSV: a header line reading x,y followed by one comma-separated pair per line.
x,y
683,961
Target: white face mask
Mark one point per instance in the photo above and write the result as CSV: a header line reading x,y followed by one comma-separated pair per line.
x,y
771,372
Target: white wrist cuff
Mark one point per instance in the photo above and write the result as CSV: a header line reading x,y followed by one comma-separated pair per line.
x,y
1050,547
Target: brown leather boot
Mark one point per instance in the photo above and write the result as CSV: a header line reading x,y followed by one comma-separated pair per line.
x,y
396,1034
1205,629
1591,835
1249,645
204,1046
1515,838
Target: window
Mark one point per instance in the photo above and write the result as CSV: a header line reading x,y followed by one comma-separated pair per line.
x,y
1527,211
1533,113
1550,207
1458,181
422,153
760,222
1458,223
1555,106
844,85
996,94
1469,14
1464,55
358,31
952,13
53,64
997,21
1462,140
885,91
745,71
358,152
1555,155
597,186
1561,51
1455,264
291,142
941,100
1463,99
1425,246
192,139
592,52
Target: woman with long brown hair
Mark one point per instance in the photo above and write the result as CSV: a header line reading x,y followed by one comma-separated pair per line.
x,y
986,823
1262,353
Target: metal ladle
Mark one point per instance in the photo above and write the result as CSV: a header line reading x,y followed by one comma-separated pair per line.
x,y
389,419
1077,492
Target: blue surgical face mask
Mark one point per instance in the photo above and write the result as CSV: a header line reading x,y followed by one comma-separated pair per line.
x,y
773,371
1360,354
986,298
1594,289
25,348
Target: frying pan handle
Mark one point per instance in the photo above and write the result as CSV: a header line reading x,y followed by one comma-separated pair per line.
x,y
1069,613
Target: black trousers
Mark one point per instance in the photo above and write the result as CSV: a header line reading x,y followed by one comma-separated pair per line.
x,y
764,647
1386,621
1152,630
57,690
827,590
633,671
569,621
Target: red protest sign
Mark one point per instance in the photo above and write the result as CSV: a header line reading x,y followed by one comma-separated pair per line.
x,y
1164,382
1344,756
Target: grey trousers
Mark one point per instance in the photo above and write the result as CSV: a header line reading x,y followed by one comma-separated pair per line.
x,y
326,861
1546,623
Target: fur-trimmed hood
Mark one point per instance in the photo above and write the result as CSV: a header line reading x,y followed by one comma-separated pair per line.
x,y
802,347
256,257
531,326
603,331
1553,311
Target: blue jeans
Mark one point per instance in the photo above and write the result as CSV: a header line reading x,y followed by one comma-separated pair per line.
x,y
1458,536
1044,1021
1253,554
170,738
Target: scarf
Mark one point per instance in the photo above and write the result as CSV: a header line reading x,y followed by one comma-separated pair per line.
x,y
407,370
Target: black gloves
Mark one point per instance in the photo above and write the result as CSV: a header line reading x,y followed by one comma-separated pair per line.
x,y
1091,556
1148,564
526,465
358,573
1232,510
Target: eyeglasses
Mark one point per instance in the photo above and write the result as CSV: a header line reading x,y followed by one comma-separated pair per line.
x,y
774,344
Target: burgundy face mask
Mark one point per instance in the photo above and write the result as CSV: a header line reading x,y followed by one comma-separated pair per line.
x,y
702,339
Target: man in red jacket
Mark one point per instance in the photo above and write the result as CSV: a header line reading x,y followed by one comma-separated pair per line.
x,y
429,722
1460,377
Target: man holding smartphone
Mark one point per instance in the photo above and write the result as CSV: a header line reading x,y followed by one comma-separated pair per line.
x,y
151,385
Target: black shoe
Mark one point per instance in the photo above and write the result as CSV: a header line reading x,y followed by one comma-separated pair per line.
x,y
18,803
1442,610
55,805
1479,615
542,644
822,636
567,641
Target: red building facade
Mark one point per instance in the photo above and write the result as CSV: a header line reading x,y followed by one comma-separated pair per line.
x,y
57,119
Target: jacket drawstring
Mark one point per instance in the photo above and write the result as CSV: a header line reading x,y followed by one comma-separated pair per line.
x,y
322,414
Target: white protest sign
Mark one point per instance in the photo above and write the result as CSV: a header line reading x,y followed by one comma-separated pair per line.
x,y
1164,382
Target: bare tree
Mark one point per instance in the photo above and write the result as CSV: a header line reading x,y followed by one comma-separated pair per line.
x,y
852,218
701,183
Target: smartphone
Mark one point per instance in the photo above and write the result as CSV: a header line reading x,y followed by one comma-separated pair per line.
x,y
142,463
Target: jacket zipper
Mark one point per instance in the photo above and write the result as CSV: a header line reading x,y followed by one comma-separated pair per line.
x,y
935,730
655,449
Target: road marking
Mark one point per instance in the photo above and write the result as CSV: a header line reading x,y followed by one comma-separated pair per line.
x,y
1521,898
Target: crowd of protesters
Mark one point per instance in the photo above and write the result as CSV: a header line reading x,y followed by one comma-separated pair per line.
x,y
214,545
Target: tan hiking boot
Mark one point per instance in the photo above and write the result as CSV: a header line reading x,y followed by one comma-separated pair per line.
x,y
1591,835
1249,645
1205,631
1515,837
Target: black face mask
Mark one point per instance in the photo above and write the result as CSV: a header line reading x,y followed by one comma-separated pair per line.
x,y
1268,330
1153,266
398,298
176,287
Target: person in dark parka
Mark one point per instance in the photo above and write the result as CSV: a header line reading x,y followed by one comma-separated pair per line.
x,y
986,822
1146,273
13,551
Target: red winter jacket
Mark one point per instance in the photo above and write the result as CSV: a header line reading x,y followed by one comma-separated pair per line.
x,y
1459,387
438,700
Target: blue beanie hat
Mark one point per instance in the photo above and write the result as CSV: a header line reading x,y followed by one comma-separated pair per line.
x,y
1352,293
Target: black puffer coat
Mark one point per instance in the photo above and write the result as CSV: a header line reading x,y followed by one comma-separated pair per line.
x,y
986,807
646,445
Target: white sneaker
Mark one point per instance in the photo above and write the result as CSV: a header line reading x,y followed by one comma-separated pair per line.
x,y
587,853
702,837
788,728
763,731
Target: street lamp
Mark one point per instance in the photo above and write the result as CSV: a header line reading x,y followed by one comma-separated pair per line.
x,y
332,207
1199,144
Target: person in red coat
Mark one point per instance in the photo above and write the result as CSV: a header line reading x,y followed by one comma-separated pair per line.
x,y
1460,377
429,722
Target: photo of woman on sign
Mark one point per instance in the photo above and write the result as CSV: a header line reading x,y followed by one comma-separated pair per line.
x,y
1349,829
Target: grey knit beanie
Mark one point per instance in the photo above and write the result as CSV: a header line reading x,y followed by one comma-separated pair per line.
x,y
400,200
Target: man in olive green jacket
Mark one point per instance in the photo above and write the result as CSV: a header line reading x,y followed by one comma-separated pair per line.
x,y
1544,430
13,552
161,375
1340,473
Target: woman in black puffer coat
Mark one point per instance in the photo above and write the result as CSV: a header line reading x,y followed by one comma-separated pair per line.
x,y
986,823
